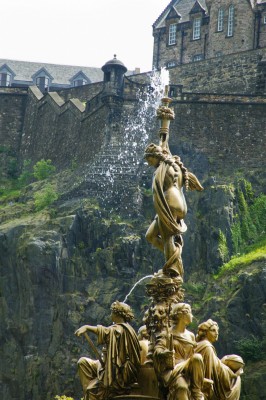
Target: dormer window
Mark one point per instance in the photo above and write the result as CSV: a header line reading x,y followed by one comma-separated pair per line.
x,y
43,83
196,28
79,82
220,21
42,79
172,34
6,75
79,79
5,79
230,27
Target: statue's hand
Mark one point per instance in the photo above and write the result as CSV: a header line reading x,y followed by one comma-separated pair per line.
x,y
81,330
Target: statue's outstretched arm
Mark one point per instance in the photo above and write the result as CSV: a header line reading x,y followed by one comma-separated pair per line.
x,y
86,328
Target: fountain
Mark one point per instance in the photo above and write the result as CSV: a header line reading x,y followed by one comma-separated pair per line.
x,y
168,361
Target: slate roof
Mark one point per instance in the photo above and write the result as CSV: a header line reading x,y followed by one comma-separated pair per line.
x,y
183,7
62,74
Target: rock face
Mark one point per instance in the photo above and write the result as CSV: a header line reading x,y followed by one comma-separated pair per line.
x,y
62,269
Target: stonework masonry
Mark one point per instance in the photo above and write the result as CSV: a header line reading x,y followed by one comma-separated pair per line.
x,y
225,27
219,105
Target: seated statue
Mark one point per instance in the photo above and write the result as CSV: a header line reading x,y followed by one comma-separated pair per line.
x,y
224,373
112,375
178,368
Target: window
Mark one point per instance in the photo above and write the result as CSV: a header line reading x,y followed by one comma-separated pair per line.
x,y
196,28
198,57
264,19
230,27
79,82
218,54
172,92
5,79
43,83
171,64
220,21
172,34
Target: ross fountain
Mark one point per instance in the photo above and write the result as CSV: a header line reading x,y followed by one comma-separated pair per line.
x,y
167,362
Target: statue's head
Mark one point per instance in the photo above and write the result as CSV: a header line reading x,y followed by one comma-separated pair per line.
x,y
122,310
208,330
154,154
181,310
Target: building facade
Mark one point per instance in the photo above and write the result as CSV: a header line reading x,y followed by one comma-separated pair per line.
x,y
189,31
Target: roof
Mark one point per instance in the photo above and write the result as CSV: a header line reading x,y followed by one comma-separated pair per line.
x,y
62,74
182,7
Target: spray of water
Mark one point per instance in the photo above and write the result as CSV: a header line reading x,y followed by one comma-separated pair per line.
x,y
123,158
136,284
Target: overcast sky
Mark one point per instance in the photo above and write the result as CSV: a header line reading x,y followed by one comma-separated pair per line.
x,y
80,32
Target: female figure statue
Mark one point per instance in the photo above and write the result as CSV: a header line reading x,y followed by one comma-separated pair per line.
x,y
226,378
179,369
102,379
170,204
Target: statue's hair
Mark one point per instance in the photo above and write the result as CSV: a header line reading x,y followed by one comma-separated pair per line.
x,y
178,310
190,180
203,329
123,310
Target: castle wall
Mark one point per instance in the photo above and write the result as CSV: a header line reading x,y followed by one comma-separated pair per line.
x,y
228,134
83,93
234,73
12,108
63,133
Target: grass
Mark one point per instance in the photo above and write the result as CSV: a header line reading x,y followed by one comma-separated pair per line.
x,y
255,252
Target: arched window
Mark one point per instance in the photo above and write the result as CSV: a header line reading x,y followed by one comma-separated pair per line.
x,y
172,34
220,20
230,27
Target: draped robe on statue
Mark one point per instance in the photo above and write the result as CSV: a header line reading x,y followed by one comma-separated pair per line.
x,y
168,225
226,384
121,365
188,369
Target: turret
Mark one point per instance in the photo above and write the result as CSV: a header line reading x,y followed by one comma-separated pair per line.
x,y
114,71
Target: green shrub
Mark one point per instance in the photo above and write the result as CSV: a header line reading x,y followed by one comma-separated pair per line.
x,y
250,348
43,169
26,174
45,197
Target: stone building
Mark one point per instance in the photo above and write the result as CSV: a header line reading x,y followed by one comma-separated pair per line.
x,y
189,30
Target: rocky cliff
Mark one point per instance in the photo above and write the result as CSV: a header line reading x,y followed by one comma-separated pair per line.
x,y
63,265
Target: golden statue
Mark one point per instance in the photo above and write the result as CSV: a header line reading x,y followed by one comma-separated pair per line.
x,y
224,373
179,369
169,201
117,370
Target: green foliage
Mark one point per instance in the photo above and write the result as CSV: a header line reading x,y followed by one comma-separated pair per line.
x,y
250,348
250,221
222,246
43,169
45,197
26,174
12,167
256,252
